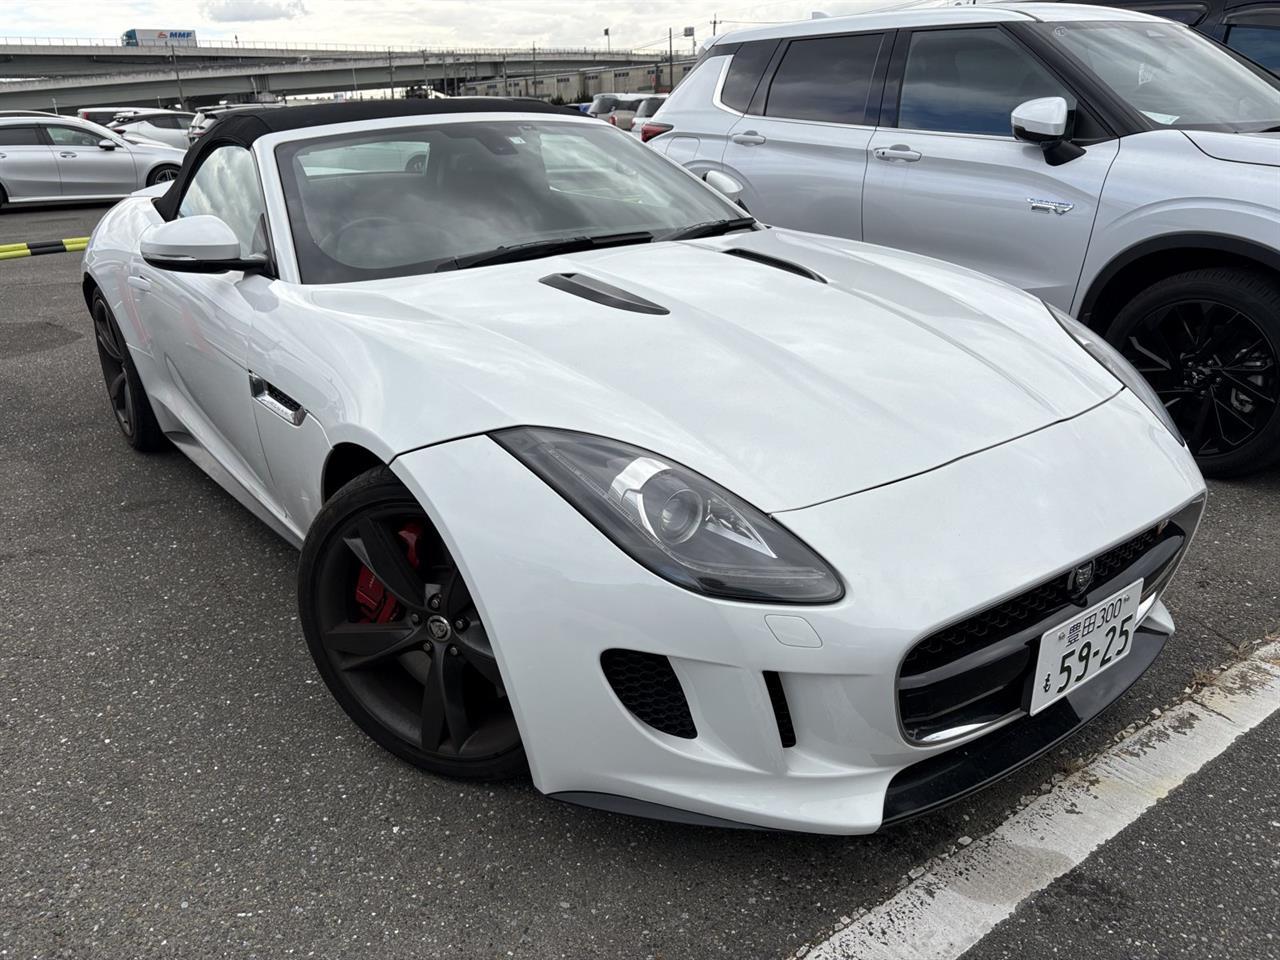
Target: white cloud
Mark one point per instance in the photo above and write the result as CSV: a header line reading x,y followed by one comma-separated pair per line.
x,y
244,11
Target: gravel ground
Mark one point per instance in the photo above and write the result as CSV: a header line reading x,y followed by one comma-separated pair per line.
x,y
178,782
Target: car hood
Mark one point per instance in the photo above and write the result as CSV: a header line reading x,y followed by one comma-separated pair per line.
x,y
1260,148
783,388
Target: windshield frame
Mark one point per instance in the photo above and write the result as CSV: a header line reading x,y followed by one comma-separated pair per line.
x,y
275,154
1139,121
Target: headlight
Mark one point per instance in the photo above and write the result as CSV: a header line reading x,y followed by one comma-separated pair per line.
x,y
677,523
1117,366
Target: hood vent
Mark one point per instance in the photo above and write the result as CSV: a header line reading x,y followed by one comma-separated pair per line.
x,y
777,263
597,291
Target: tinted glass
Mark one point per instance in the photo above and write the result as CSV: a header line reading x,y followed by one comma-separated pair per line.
x,y
745,72
649,107
827,79
1172,75
226,186
74,137
969,81
488,184
1259,44
19,137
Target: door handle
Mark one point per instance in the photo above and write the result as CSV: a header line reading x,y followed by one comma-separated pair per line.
x,y
899,152
67,153
139,283
748,138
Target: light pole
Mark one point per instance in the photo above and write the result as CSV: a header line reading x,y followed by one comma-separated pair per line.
x,y
608,44
182,101
391,71
534,88
355,84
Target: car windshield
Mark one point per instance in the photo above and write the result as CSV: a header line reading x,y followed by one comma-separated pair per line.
x,y
411,200
1172,75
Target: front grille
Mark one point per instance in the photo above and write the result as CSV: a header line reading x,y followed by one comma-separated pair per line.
x,y
976,671
648,687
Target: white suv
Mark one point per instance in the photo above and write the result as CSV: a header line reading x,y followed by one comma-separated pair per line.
x,y
1119,166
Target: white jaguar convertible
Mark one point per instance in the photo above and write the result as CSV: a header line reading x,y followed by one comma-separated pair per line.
x,y
596,476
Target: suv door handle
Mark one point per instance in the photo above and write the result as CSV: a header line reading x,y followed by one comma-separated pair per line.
x,y
899,152
139,283
748,138
67,153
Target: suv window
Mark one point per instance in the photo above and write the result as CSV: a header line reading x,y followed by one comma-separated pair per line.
x,y
73,137
19,137
745,72
226,186
827,79
1259,44
969,81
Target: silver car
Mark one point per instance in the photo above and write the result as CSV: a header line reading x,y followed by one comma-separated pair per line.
x,y
162,126
61,158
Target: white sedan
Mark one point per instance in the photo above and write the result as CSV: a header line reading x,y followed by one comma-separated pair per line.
x,y
594,475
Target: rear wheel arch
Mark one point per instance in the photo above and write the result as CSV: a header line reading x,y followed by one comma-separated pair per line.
x,y
1130,273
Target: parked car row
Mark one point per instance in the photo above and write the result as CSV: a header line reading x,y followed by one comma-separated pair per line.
x,y
1121,167
46,157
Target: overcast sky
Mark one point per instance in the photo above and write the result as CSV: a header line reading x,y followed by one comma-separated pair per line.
x,y
480,23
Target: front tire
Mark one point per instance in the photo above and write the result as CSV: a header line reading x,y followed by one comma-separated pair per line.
x,y
125,393
1209,343
397,638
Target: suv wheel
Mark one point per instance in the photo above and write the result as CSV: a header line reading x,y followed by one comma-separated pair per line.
x,y
1209,343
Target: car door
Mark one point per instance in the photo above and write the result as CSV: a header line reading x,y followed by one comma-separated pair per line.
x,y
28,168
87,169
800,151
199,324
948,179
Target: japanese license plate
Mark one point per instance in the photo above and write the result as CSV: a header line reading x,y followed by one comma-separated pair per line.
x,y
1078,650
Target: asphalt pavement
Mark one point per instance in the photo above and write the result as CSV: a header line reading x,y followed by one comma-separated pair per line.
x,y
176,781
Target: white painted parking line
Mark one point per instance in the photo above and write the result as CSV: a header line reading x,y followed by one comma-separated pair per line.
x,y
959,899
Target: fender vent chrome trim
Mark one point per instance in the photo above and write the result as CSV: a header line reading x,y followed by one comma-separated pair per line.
x,y
277,401
777,263
597,291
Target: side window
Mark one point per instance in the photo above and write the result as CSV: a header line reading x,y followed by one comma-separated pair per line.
x,y
226,186
826,79
19,137
1254,32
969,81
745,72
73,137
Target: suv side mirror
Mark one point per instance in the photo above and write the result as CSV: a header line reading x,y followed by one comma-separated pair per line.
x,y
200,244
1044,123
725,184
105,144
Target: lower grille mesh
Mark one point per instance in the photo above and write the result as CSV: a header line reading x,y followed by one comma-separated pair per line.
x,y
648,687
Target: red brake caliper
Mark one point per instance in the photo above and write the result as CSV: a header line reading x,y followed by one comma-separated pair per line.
x,y
375,602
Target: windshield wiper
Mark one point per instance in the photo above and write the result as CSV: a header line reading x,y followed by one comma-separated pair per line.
x,y
712,228
542,248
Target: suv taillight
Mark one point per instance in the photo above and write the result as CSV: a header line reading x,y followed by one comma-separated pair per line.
x,y
651,129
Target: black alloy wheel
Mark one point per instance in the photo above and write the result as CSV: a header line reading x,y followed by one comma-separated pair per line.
x,y
1208,341
393,629
125,392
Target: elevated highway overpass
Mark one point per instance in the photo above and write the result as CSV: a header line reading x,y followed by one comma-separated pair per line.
x,y
85,74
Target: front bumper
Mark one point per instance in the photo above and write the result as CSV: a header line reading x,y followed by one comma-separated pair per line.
x,y
915,555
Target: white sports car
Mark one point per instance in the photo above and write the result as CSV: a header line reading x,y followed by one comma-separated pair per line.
x,y
699,519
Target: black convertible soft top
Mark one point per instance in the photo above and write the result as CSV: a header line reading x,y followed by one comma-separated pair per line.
x,y
245,126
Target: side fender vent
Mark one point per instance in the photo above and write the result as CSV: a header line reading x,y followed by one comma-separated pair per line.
x,y
597,291
777,264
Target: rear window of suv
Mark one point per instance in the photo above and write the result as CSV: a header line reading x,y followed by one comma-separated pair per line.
x,y
745,72
826,79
